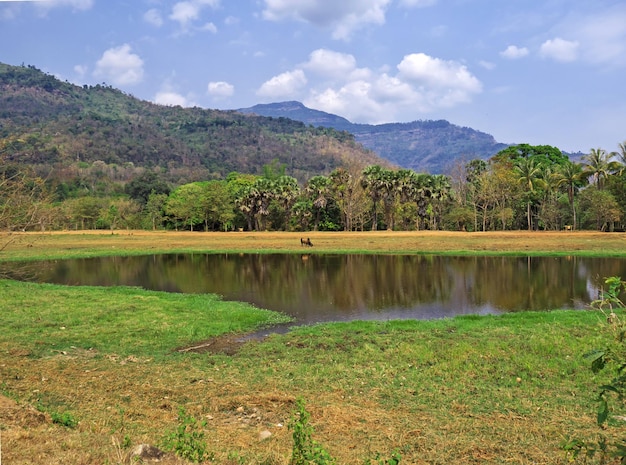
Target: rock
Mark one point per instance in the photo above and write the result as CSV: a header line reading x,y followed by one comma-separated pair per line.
x,y
147,452
265,434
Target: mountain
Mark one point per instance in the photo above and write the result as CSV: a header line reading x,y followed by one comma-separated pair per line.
x,y
58,128
429,146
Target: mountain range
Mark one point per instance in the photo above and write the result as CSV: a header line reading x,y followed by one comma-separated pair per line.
x,y
424,146
59,129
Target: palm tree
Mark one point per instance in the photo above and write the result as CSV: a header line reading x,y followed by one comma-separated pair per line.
x,y
528,176
571,176
419,190
286,191
318,189
440,193
371,182
621,156
598,166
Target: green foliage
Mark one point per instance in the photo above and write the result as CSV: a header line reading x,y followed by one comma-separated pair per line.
x,y
64,419
306,451
379,460
612,393
187,440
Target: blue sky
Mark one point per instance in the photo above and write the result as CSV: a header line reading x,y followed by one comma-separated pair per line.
x,y
526,71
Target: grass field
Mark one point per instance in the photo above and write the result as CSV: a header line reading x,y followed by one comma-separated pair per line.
x,y
88,373
89,243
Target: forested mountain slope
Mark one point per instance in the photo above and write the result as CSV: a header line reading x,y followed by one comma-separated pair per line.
x,y
429,146
46,123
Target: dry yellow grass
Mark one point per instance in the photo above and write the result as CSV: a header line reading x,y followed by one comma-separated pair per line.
x,y
59,244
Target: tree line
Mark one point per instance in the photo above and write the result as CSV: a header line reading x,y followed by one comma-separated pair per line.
x,y
521,187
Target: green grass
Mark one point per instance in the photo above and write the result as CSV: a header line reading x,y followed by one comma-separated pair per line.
x,y
43,318
471,389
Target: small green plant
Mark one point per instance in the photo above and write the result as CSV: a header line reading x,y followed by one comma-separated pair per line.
x,y
306,451
612,394
187,440
64,419
378,460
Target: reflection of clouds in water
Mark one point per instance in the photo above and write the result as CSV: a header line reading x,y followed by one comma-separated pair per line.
x,y
326,288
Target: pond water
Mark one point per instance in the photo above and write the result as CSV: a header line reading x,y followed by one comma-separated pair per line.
x,y
320,288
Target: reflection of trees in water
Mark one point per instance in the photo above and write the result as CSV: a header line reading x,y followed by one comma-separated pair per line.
x,y
308,283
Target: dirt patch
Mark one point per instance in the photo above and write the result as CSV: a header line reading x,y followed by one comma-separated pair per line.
x,y
16,415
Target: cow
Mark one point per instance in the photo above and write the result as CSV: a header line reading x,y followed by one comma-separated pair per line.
x,y
306,241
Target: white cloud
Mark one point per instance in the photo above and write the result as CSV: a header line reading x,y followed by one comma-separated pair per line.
x,y
487,64
186,12
284,85
12,10
170,99
210,27
603,36
417,3
153,17
423,84
120,66
560,49
436,73
220,89
342,16
80,71
514,52
77,4
329,63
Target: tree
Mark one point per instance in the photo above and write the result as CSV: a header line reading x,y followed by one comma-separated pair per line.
x,y
348,194
185,205
318,191
372,183
600,208
598,166
218,206
286,192
155,209
24,197
145,184
529,177
120,213
440,194
571,177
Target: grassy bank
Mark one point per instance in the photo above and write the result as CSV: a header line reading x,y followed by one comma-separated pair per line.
x,y
483,390
92,243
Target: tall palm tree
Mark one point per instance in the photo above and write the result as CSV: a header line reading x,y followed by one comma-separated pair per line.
x,y
440,193
286,191
529,177
419,191
571,176
621,155
318,190
598,166
371,182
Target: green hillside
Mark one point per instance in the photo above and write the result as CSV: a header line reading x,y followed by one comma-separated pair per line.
x,y
47,123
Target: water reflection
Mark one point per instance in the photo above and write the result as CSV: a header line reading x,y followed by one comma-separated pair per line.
x,y
315,288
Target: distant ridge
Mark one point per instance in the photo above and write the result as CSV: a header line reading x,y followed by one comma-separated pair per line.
x,y
428,146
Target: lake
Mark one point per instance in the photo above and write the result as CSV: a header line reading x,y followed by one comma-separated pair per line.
x,y
320,288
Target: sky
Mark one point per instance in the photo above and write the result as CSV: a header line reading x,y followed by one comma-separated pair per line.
x,y
540,72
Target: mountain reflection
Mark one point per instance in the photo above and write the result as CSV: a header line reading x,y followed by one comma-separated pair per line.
x,y
315,288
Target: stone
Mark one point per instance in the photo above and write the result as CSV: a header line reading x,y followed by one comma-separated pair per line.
x,y
147,452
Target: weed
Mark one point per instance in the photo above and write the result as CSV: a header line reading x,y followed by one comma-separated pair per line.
x,y
306,450
65,419
379,460
187,440
612,394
